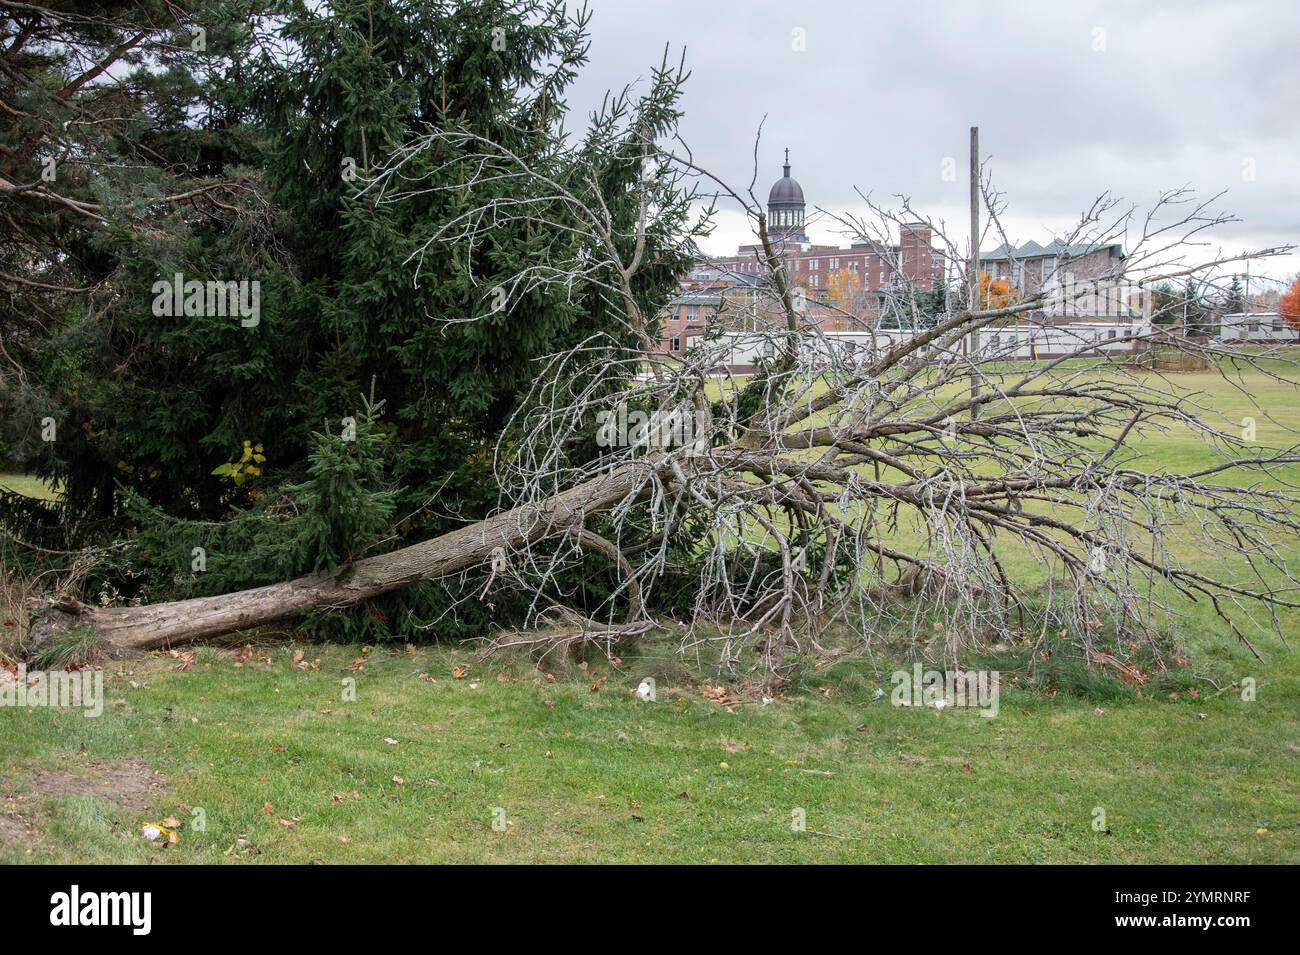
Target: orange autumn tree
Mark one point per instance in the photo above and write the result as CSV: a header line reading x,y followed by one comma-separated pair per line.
x,y
1289,305
845,289
996,293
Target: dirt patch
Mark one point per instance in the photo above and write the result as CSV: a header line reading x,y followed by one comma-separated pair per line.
x,y
15,829
131,784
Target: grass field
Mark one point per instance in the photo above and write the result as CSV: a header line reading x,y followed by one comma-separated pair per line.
x,y
280,767
25,484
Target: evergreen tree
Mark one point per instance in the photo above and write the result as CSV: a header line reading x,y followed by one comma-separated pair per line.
x,y
1235,301
1166,304
119,166
1196,312
164,412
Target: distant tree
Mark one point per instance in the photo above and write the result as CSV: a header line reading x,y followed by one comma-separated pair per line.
x,y
1198,318
1234,301
1166,305
845,289
1289,305
996,293
932,303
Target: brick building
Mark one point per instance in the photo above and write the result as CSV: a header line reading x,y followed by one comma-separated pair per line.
x,y
1073,277
838,288
872,267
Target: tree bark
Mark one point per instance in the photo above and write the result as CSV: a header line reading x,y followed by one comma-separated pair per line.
x,y
128,629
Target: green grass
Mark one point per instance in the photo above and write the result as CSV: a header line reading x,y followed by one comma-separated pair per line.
x,y
26,484
893,784
604,777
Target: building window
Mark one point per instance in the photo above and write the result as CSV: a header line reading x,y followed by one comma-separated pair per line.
x,y
835,263
675,344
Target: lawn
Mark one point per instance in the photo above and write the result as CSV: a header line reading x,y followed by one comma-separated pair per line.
x,y
279,764
26,484
413,769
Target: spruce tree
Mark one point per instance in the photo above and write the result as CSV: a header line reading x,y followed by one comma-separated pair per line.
x,y
158,411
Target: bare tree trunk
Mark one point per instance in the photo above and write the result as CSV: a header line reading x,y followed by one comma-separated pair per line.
x,y
181,621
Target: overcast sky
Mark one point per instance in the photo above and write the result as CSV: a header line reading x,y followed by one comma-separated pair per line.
x,y
1072,97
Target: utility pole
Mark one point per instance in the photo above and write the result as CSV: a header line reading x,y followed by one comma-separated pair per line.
x,y
973,336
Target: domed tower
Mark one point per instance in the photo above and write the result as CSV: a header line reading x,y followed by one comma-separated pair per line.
x,y
785,208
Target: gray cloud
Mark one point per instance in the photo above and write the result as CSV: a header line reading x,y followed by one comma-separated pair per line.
x,y
1072,98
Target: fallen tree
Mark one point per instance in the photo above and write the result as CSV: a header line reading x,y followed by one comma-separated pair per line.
x,y
834,480
183,621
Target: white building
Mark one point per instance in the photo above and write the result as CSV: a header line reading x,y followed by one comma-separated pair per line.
x,y
1267,328
738,352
